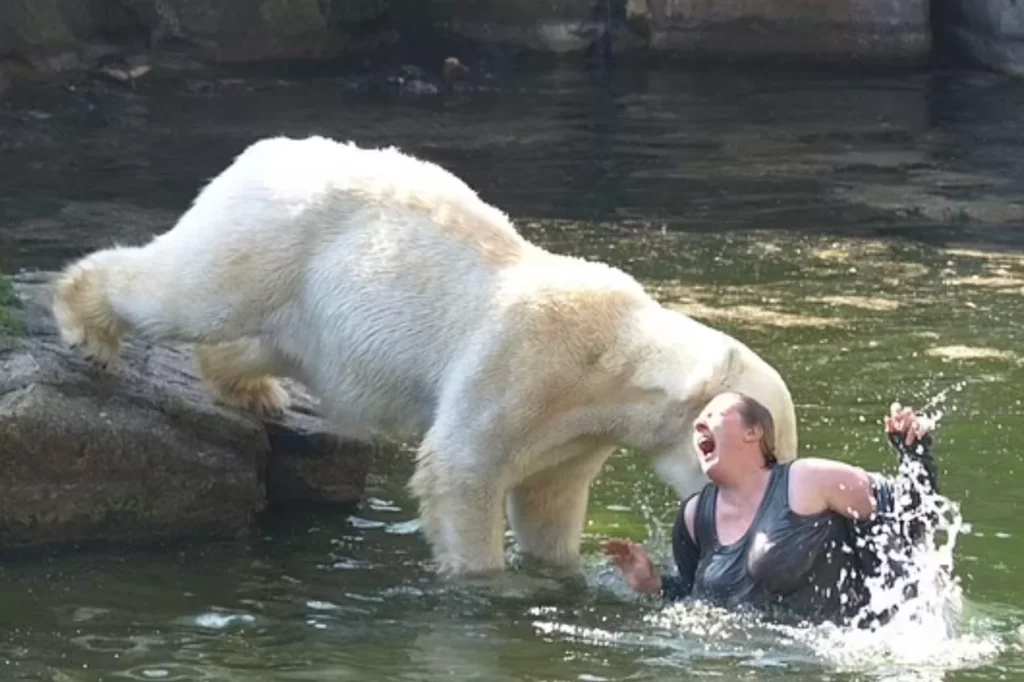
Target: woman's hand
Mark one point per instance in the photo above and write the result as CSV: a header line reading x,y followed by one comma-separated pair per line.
x,y
903,421
635,564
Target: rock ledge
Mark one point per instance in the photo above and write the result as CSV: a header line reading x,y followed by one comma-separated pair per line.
x,y
139,453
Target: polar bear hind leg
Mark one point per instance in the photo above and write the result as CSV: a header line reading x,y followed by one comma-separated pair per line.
x,y
241,374
100,298
160,293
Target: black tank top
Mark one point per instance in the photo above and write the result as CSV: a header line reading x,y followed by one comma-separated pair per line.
x,y
787,563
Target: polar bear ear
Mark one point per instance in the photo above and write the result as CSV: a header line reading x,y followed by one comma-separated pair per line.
x,y
712,375
752,375
711,372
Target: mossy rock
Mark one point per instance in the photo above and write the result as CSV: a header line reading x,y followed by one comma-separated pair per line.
x,y
9,300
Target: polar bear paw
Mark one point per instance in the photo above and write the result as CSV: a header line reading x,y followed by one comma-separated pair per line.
x,y
264,396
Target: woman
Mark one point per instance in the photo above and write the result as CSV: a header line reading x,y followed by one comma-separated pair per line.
x,y
783,538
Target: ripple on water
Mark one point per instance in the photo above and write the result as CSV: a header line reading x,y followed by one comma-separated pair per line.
x,y
134,644
222,621
165,672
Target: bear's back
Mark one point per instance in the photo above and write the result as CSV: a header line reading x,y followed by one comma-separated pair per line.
x,y
326,175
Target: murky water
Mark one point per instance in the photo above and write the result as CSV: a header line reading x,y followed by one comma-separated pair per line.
x,y
862,232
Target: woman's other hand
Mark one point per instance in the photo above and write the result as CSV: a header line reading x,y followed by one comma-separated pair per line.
x,y
903,420
635,564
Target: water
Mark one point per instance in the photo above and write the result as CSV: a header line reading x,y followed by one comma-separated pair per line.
x,y
861,231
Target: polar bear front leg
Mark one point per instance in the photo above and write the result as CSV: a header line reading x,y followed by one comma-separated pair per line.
x,y
241,374
548,511
460,511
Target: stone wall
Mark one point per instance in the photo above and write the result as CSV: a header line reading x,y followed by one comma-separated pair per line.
x,y
987,32
845,30
52,33
55,33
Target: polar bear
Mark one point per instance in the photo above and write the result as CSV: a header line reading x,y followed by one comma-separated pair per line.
x,y
410,306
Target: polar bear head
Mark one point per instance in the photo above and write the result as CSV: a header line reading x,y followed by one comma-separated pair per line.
x,y
690,364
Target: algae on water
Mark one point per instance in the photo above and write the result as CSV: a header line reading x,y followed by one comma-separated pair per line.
x,y
9,300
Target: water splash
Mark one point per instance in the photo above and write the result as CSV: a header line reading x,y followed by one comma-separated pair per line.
x,y
925,636
915,581
932,407
926,630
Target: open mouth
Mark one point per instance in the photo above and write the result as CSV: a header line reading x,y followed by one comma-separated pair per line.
x,y
705,441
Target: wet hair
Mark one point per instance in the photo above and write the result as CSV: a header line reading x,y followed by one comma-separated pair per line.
x,y
756,415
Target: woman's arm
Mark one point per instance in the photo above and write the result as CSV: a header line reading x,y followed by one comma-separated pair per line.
x,y
686,553
639,571
822,484
856,494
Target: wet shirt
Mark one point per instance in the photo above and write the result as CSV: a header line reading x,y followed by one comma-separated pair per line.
x,y
787,563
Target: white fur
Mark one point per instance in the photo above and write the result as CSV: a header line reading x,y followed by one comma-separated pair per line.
x,y
410,306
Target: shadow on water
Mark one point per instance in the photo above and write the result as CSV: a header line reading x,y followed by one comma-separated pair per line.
x,y
861,231
924,156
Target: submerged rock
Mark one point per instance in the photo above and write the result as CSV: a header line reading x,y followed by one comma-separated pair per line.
x,y
139,452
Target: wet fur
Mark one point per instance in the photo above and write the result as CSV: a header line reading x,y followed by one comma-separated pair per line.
x,y
409,305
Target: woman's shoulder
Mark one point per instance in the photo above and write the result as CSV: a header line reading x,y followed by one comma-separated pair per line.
x,y
814,480
689,510
818,472
819,466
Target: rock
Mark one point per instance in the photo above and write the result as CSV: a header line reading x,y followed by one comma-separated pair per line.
x,y
55,36
10,305
240,30
312,468
987,32
139,452
841,30
59,35
36,27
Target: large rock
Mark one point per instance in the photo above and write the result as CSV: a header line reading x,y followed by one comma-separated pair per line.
x,y
61,33
989,32
252,30
55,35
841,30
47,26
139,452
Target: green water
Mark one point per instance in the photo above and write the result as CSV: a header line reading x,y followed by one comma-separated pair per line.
x,y
861,232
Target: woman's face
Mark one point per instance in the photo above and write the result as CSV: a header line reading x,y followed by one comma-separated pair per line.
x,y
719,432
